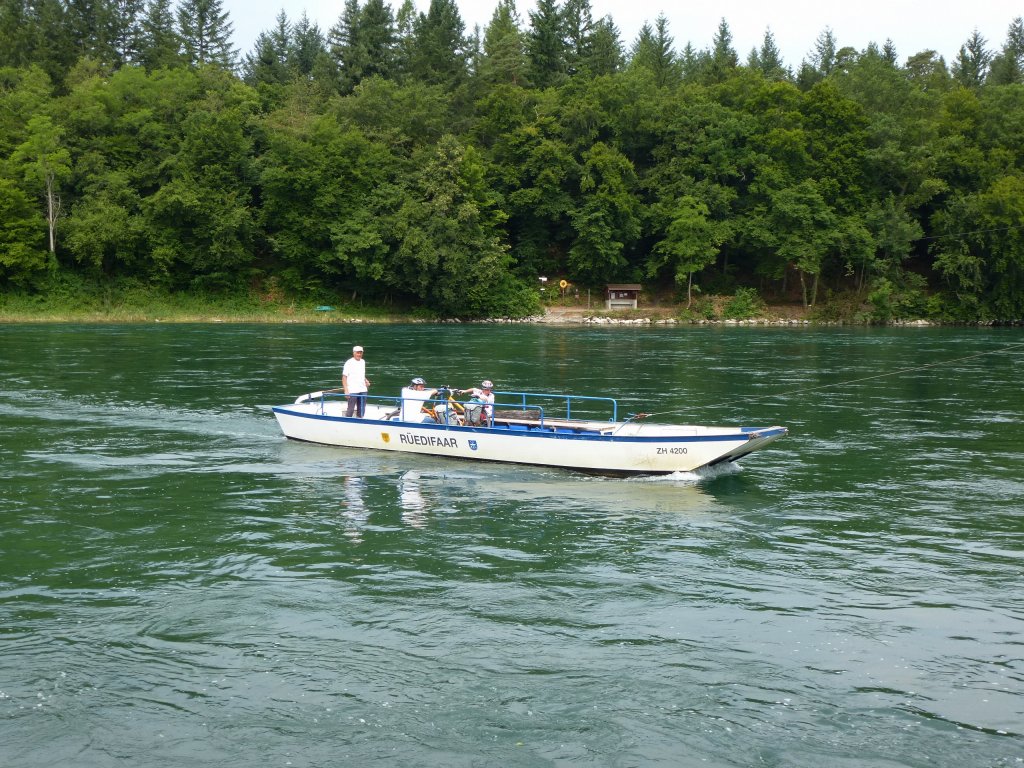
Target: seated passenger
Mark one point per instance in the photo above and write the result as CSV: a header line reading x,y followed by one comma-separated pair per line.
x,y
483,395
413,398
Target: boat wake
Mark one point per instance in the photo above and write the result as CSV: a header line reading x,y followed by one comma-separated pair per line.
x,y
138,415
695,477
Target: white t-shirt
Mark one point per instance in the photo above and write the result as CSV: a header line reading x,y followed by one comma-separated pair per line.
x,y
485,397
355,372
412,401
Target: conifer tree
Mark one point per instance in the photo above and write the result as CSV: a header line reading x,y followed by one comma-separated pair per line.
x,y
889,53
439,46
723,59
161,44
108,31
546,45
604,55
1008,66
653,51
579,34
16,30
504,47
643,44
378,39
691,61
125,30
37,32
474,50
821,61
268,61
308,46
206,29
405,32
87,24
345,46
769,59
971,64
824,57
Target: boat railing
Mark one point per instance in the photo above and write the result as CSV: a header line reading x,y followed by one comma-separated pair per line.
x,y
542,406
556,401
323,396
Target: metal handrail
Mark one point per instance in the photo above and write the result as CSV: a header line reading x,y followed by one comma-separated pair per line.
x,y
339,394
557,396
525,401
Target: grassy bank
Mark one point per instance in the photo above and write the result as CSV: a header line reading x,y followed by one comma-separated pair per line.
x,y
73,300
129,304
149,306
213,309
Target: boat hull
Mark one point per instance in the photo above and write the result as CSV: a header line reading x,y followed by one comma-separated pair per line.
x,y
615,448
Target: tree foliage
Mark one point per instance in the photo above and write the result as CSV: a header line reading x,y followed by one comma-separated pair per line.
x,y
398,158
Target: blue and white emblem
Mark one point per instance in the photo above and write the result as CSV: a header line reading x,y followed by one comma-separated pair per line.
x,y
472,445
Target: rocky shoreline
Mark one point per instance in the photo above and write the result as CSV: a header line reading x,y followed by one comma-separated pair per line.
x,y
553,316
756,321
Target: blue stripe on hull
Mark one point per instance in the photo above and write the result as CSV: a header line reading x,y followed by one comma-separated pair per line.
x,y
566,433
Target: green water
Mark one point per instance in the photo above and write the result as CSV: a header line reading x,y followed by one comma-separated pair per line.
x,y
180,586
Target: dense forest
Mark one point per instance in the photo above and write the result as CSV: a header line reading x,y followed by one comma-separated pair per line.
x,y
403,159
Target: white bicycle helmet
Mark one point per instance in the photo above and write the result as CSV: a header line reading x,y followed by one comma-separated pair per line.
x,y
486,384
418,380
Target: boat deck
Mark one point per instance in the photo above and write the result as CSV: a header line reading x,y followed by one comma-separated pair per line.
x,y
556,425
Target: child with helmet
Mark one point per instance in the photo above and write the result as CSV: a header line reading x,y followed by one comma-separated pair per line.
x,y
484,395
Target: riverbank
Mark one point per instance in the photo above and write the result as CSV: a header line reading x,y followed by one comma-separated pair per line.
x,y
66,300
551,316
247,309
279,316
169,309
777,316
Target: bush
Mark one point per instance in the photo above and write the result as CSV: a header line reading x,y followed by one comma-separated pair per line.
x,y
746,303
903,301
702,308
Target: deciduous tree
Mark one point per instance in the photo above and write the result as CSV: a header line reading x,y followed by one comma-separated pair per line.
x,y
45,164
691,243
22,239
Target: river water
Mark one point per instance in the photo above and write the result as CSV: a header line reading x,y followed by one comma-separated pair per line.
x,y
180,586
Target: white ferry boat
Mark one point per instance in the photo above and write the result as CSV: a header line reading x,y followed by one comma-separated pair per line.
x,y
522,428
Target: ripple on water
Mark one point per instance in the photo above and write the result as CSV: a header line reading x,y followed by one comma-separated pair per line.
x,y
181,586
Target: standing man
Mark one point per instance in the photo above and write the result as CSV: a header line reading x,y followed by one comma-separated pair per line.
x,y
355,383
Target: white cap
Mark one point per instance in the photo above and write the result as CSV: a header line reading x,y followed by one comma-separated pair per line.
x,y
357,349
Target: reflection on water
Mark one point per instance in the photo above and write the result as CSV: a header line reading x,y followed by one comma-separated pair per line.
x,y
354,507
411,498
